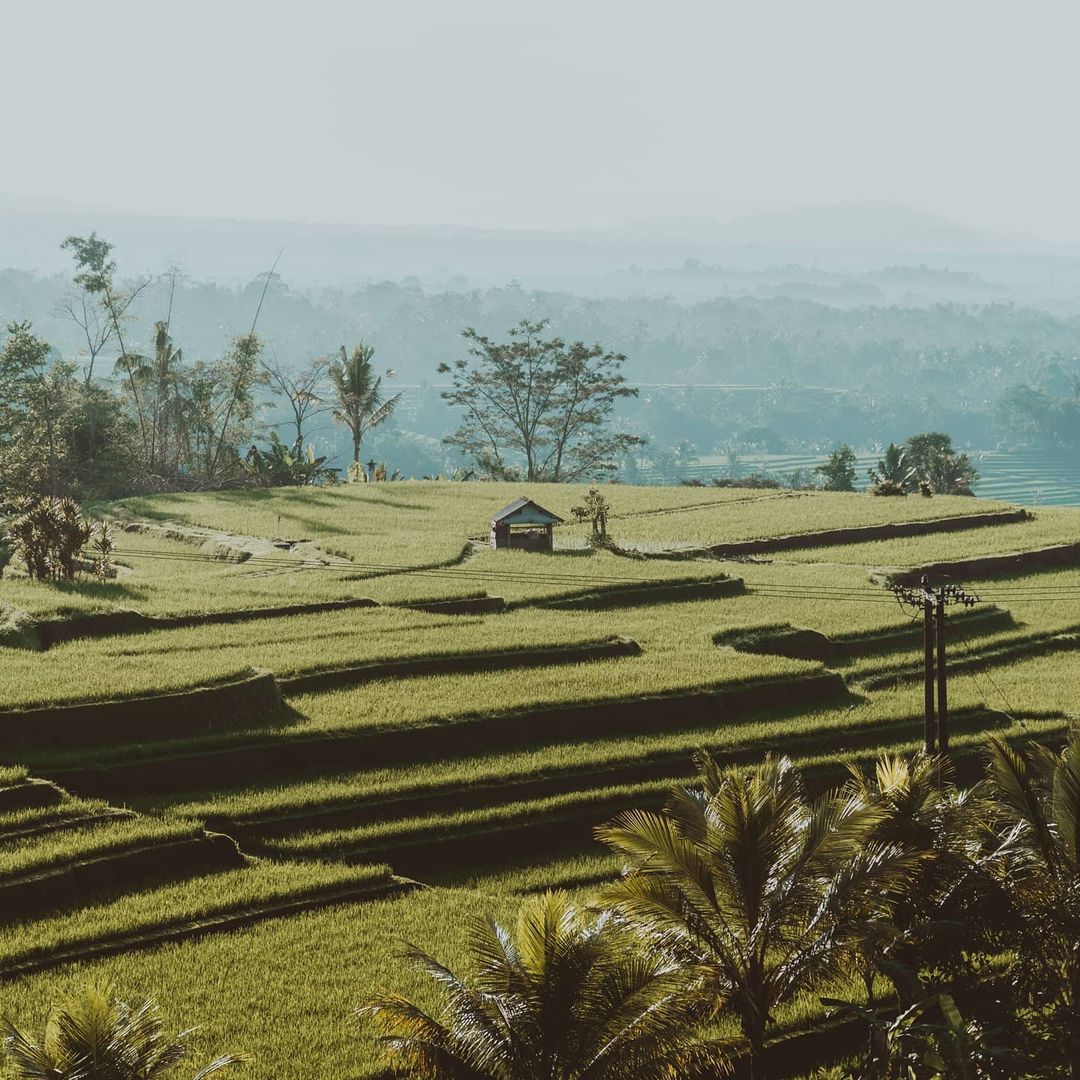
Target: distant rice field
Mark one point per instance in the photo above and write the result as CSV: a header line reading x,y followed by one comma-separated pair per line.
x,y
1026,477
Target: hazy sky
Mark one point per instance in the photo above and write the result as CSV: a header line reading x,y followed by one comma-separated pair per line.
x,y
546,113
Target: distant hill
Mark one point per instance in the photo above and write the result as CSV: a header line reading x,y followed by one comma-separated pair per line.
x,y
872,226
846,238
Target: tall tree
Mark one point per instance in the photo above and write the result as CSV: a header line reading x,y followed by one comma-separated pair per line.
x,y
893,474
838,473
302,387
96,276
565,997
937,465
27,389
537,406
160,379
747,878
357,400
23,362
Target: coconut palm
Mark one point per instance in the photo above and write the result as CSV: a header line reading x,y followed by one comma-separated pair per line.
x,y
925,812
1039,795
749,880
951,474
954,903
562,998
893,474
160,381
94,1036
357,394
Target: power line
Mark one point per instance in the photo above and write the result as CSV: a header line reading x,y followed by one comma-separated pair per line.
x,y
779,589
814,589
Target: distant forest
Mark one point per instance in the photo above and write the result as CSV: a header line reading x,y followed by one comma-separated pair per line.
x,y
775,374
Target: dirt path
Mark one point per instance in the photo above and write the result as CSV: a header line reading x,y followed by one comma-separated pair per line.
x,y
236,547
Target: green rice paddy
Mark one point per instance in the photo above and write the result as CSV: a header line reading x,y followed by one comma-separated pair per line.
x,y
482,785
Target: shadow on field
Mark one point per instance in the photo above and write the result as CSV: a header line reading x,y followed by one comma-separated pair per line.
x,y
100,590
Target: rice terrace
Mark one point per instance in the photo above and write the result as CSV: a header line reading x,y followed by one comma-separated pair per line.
x,y
302,726
539,542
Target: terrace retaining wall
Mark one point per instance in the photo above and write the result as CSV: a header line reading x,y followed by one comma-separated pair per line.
x,y
187,931
458,663
801,643
465,605
143,719
116,870
49,632
859,534
619,596
532,832
442,739
982,566
29,794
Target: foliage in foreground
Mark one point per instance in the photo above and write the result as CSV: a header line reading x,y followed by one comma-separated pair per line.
x,y
564,997
745,893
96,1036
762,888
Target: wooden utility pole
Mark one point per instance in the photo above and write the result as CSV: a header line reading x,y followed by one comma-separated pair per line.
x,y
942,685
929,721
933,602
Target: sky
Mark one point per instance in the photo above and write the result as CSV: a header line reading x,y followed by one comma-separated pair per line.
x,y
542,115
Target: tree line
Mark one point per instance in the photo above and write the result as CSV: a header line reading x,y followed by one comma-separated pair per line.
x,y
533,406
956,911
760,374
157,420
927,463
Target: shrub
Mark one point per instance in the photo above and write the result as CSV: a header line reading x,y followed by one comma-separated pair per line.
x,y
594,510
888,487
49,535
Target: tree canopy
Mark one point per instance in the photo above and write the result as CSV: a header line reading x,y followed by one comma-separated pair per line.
x,y
537,407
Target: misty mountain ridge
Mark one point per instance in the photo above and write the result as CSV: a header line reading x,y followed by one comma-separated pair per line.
x,y
846,238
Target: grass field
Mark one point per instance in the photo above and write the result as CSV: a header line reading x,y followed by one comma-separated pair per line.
x,y
483,784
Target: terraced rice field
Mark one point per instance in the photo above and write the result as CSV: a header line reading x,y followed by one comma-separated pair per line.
x,y
245,843
1027,477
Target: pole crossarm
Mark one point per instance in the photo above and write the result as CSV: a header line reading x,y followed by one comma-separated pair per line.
x,y
916,596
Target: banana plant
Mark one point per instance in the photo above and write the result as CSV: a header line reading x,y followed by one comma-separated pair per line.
x,y
278,465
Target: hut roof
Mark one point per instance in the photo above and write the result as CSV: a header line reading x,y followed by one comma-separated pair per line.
x,y
526,512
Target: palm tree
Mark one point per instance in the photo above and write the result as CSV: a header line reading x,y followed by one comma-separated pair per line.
x,y
949,907
96,1037
160,378
562,998
893,475
951,474
358,402
751,882
1039,795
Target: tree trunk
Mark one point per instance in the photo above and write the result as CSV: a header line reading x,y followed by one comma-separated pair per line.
x,y
755,1066
52,446
754,1032
1074,1010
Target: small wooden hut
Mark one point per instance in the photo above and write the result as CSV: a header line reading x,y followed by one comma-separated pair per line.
x,y
525,525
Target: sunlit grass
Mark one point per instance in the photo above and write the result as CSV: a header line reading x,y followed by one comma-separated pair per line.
x,y
258,884
39,853
285,989
1049,526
